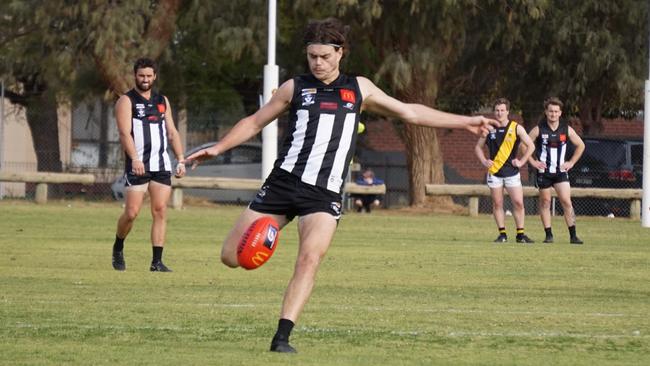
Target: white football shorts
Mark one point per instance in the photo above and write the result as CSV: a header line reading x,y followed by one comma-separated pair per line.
x,y
497,182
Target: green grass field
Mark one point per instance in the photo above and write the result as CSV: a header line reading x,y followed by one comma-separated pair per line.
x,y
395,289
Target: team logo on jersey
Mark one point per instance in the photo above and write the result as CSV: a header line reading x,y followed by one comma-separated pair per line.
x,y
349,106
331,106
162,108
347,95
140,109
308,96
562,137
307,100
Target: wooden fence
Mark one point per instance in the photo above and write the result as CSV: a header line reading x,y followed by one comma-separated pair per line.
x,y
247,184
42,179
474,191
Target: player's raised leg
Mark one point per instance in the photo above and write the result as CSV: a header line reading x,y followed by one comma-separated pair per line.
x,y
229,248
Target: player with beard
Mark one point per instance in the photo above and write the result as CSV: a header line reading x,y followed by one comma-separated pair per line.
x,y
145,124
307,180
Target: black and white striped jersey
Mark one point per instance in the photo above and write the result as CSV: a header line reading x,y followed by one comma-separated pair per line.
x,y
149,132
551,146
322,133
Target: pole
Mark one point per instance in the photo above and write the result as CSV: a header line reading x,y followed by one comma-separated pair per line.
x,y
271,76
2,129
645,203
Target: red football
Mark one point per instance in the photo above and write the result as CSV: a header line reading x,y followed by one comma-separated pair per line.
x,y
258,243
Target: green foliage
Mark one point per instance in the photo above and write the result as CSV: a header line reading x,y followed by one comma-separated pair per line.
x,y
395,289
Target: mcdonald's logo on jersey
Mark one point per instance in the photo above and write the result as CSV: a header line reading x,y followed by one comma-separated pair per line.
x,y
347,95
562,137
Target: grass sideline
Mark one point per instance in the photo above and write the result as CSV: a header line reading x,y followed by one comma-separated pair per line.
x,y
395,289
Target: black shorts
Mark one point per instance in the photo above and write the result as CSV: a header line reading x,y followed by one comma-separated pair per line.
x,y
547,180
159,177
285,194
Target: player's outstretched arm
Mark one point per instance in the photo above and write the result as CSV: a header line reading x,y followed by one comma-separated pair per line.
x,y
248,126
376,101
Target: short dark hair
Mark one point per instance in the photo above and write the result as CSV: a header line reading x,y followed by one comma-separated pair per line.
x,y
553,101
326,31
501,101
143,63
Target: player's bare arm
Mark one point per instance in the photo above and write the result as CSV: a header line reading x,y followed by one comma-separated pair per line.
x,y
175,139
376,101
528,143
480,154
579,149
249,126
531,159
123,118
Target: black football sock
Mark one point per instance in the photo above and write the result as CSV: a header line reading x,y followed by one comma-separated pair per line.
x,y
157,254
520,232
118,245
502,231
548,231
284,330
572,231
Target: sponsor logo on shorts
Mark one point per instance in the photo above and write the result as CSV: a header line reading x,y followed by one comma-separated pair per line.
x,y
259,197
336,207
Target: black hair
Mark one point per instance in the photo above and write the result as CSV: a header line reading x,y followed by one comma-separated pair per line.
x,y
143,63
328,31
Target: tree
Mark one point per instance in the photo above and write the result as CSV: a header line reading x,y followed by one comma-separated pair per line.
x,y
410,46
590,53
49,43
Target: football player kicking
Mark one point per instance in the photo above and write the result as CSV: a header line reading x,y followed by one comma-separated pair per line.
x,y
307,180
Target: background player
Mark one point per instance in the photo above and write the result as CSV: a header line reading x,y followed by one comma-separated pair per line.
x,y
503,168
145,123
551,136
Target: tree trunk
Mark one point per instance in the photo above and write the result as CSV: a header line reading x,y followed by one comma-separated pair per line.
x,y
591,114
424,160
43,123
423,154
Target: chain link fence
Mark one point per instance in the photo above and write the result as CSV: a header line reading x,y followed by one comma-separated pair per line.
x,y
88,142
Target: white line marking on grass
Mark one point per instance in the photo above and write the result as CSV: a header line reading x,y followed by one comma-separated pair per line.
x,y
317,330
384,309
466,334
